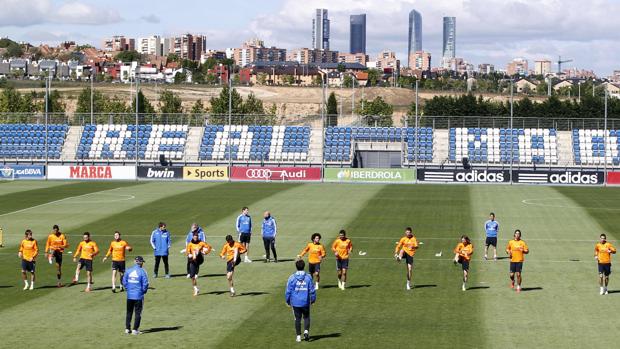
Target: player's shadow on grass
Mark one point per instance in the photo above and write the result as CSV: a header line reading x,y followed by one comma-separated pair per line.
x,y
162,329
502,258
424,286
251,294
46,287
610,292
351,287
12,286
177,275
212,275
527,289
322,336
477,288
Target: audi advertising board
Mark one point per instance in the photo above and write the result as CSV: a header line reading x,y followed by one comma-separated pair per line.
x,y
159,172
22,171
572,177
92,172
613,178
212,173
255,173
464,176
369,175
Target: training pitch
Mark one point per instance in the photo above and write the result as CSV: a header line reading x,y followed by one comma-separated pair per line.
x,y
560,306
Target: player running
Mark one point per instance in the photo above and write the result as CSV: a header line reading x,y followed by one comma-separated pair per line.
x,y
602,253
54,247
117,249
269,231
342,249
195,251
201,236
28,251
244,228
516,249
406,247
231,251
316,253
491,228
87,250
463,252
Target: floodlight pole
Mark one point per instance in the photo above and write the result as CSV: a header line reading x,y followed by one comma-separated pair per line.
x,y
511,128
605,140
47,101
137,115
230,117
91,97
416,134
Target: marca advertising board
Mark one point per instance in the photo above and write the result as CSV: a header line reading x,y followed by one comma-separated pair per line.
x,y
613,178
22,171
369,175
256,173
464,176
92,172
160,172
569,177
209,173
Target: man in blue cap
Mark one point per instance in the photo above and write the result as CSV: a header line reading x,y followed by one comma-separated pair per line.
x,y
300,294
136,283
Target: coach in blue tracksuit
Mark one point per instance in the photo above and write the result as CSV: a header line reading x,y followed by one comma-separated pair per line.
x,y
160,241
269,231
491,228
136,283
300,294
201,237
244,228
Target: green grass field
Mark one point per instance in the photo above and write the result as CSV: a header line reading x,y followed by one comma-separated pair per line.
x,y
560,308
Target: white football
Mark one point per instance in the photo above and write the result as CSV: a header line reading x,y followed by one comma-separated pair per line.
x,y
190,255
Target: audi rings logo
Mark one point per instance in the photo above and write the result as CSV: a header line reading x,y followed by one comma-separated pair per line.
x,y
258,173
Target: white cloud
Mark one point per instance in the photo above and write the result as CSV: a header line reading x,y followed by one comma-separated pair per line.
x,y
151,19
24,13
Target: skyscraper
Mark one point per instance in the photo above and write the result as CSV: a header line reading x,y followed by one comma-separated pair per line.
x,y
358,34
415,35
320,30
449,38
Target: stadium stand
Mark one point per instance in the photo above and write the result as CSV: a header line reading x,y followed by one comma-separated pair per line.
x,y
27,141
117,141
339,140
501,146
255,143
589,146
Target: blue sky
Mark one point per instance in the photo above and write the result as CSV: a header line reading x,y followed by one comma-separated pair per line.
x,y
488,31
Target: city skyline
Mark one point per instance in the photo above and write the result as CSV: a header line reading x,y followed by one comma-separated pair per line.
x,y
488,30
414,42
358,34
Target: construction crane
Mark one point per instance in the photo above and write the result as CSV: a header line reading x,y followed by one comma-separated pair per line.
x,y
560,61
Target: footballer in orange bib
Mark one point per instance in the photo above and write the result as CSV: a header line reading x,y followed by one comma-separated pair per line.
x,y
342,249
117,249
602,253
195,250
54,247
516,250
406,248
316,253
28,251
231,252
462,255
86,250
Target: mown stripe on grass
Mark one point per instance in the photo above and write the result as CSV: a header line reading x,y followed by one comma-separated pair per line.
x,y
178,211
376,310
551,224
602,204
16,201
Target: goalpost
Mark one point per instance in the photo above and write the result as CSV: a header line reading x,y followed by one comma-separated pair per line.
x,y
7,174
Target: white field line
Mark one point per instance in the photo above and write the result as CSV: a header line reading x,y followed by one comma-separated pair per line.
x,y
129,197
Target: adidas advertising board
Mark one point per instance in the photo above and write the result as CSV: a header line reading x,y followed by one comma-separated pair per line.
x,y
464,176
570,177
